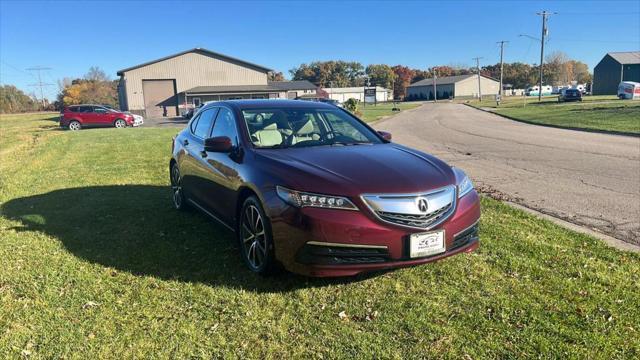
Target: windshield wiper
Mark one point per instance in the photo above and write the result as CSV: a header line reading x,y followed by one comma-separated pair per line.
x,y
345,143
276,146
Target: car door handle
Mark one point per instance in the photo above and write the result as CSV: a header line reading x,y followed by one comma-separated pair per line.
x,y
185,142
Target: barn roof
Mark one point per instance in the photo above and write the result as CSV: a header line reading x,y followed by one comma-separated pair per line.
x,y
200,51
293,85
627,57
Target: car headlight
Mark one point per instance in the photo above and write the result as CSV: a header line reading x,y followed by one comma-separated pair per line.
x,y
303,199
463,182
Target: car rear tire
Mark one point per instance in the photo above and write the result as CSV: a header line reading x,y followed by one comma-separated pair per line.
x,y
179,200
74,125
255,238
120,124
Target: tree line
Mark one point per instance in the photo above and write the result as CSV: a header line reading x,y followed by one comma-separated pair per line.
x,y
14,100
97,88
558,69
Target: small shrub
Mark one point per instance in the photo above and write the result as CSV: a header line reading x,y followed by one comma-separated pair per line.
x,y
351,105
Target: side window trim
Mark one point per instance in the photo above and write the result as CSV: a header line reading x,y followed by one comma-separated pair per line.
x,y
235,141
214,116
193,125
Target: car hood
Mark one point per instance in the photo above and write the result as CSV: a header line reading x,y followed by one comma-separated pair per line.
x,y
354,170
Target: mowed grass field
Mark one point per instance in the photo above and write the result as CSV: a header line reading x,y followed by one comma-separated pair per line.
x,y
372,112
96,264
605,113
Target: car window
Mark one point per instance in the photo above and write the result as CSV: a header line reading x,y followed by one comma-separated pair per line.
x,y
225,125
205,120
342,127
100,110
85,109
73,109
295,127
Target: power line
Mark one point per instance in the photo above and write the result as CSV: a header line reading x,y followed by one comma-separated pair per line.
x,y
40,84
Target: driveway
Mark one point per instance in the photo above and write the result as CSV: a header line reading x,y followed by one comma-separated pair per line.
x,y
588,179
165,122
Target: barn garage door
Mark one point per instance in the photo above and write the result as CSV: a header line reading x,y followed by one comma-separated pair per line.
x,y
160,98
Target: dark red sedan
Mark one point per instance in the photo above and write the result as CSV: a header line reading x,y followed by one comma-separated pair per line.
x,y
311,187
77,117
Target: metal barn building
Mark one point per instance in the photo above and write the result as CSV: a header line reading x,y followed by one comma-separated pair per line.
x,y
345,93
172,84
614,68
452,87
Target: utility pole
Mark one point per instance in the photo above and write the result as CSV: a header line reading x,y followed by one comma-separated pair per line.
x,y
40,84
477,59
501,63
544,15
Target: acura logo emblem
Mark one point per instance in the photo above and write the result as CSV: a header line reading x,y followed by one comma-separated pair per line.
x,y
423,205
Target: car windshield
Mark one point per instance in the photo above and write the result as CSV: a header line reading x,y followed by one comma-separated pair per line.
x,y
283,128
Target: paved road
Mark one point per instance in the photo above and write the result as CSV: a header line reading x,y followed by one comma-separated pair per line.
x,y
586,178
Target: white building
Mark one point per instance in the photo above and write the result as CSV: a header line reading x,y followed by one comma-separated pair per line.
x,y
346,93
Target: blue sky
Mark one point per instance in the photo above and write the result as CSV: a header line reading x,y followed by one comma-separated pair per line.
x,y
69,37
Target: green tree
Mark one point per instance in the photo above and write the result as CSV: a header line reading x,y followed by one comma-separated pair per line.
x,y
330,73
14,100
381,75
94,88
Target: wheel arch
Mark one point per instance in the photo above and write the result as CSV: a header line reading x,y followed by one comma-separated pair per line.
x,y
244,192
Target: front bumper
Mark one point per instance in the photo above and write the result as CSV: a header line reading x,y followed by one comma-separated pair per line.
x,y
137,121
325,242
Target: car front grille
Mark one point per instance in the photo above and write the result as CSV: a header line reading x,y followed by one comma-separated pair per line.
x,y
405,209
421,221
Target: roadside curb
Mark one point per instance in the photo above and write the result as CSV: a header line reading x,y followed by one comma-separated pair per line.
x,y
609,240
596,131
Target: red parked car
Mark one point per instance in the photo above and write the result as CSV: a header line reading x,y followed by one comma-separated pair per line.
x,y
77,117
312,187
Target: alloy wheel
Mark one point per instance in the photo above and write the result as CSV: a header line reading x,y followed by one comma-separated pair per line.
x,y
176,187
253,237
74,126
120,124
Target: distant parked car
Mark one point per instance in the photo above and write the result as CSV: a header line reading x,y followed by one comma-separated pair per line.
x,y
629,90
567,95
77,117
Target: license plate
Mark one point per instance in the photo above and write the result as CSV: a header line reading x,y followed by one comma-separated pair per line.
x,y
425,244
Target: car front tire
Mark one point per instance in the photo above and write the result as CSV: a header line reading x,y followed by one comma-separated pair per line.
x,y
120,124
255,237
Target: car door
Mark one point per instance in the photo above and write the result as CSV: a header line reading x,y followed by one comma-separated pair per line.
x,y
86,115
193,173
103,117
222,178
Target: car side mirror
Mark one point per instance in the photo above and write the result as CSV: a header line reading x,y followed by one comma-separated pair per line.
x,y
221,144
385,135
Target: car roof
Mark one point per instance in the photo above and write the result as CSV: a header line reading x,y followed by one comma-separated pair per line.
x,y
275,104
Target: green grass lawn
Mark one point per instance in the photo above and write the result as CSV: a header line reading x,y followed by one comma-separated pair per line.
x,y
96,264
595,112
372,112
